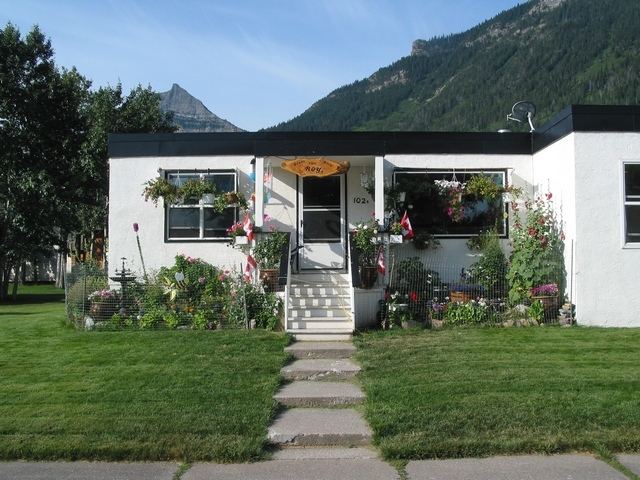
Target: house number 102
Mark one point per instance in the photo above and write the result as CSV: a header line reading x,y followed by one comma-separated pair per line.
x,y
360,200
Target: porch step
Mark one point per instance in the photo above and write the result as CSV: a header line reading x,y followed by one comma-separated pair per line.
x,y
326,335
321,349
308,393
319,426
320,368
319,306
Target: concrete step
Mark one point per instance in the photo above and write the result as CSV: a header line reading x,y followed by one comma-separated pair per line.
x,y
318,290
321,312
319,335
319,302
321,349
319,427
320,276
336,453
318,323
319,369
319,394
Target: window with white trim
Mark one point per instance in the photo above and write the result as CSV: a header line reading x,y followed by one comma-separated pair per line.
x,y
193,220
632,202
428,210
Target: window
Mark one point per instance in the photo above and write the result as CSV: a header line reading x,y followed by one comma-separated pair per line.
x,y
632,202
429,210
192,219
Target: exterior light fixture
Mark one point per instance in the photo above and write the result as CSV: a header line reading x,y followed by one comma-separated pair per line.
x,y
364,177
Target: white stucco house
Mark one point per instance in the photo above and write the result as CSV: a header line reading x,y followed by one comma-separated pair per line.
x,y
588,156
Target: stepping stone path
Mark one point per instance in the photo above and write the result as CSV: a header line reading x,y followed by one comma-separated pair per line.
x,y
317,390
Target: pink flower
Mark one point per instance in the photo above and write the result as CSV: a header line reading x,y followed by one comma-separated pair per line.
x,y
201,279
221,277
135,227
272,228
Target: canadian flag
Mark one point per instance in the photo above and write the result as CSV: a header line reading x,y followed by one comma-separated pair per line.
x,y
248,227
407,231
250,269
382,268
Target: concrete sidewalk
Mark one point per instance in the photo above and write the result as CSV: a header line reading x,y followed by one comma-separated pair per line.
x,y
331,464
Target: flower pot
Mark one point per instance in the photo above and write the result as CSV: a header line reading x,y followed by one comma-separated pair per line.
x,y
550,304
395,239
269,277
103,310
368,277
241,240
460,297
208,199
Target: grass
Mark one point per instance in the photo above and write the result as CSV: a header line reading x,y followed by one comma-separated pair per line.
x,y
165,395
480,392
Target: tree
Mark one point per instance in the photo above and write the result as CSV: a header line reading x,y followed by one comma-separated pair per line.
x,y
110,112
42,130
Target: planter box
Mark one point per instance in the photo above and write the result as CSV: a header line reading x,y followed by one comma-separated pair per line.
x,y
241,240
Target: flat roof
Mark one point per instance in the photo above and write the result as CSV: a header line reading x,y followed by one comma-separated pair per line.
x,y
615,118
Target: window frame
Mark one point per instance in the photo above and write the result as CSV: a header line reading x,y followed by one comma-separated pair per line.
x,y
626,203
231,212
462,175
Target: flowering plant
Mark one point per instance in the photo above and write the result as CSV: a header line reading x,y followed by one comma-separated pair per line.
x,y
102,295
237,229
396,228
367,242
548,289
453,192
196,187
537,257
160,187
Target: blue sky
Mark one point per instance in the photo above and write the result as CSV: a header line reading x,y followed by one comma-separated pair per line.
x,y
254,63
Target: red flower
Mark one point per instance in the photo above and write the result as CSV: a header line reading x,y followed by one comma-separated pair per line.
x,y
532,231
549,195
414,296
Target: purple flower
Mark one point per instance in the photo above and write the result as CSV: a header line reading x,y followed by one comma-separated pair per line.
x,y
135,227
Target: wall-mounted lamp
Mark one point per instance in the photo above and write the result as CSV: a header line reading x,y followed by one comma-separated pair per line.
x,y
364,177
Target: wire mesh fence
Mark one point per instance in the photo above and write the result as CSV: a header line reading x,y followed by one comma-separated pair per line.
x,y
432,289
189,295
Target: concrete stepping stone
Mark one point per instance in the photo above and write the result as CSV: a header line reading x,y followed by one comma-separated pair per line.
x,y
306,393
321,368
321,349
319,427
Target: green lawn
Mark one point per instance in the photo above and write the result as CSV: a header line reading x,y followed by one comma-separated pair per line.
x,y
482,391
143,395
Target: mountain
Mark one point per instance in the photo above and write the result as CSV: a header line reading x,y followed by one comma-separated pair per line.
x,y
190,114
552,53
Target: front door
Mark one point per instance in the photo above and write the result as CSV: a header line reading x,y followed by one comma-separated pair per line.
x,y
321,237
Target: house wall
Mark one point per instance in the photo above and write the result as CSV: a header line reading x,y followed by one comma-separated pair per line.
x,y
127,206
606,272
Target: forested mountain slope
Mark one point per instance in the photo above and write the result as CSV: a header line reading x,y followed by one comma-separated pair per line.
x,y
553,53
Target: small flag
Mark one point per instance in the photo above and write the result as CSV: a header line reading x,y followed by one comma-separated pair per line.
x,y
407,231
248,227
250,269
382,268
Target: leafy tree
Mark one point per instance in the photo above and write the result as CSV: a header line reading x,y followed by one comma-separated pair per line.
x,y
110,112
42,129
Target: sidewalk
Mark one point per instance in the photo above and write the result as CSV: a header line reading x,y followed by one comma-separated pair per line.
x,y
331,464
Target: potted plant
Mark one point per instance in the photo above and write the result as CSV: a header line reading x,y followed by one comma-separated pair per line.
x,y
367,243
454,203
370,187
229,199
484,187
103,304
395,233
268,253
160,187
198,189
238,234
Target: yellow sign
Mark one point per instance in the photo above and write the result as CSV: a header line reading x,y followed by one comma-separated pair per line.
x,y
315,167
